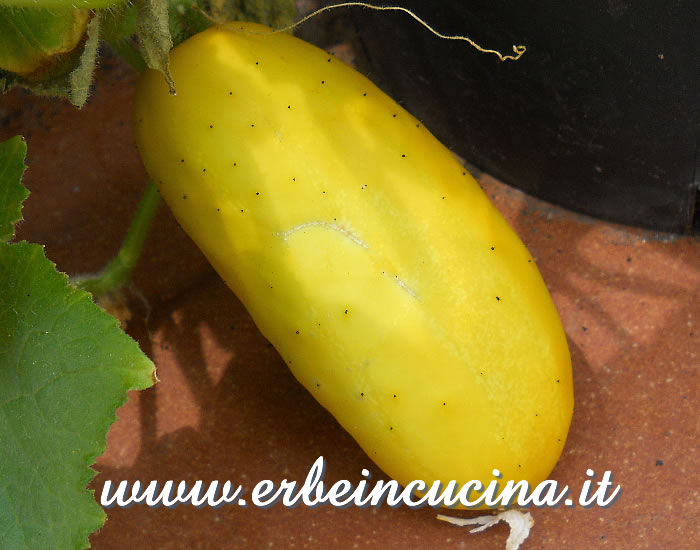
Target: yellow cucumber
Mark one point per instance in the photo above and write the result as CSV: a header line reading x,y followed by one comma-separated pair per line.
x,y
393,289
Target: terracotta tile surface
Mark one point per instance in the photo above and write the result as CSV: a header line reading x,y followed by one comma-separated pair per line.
x,y
228,408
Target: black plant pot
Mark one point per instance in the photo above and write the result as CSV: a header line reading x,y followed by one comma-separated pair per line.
x,y
601,115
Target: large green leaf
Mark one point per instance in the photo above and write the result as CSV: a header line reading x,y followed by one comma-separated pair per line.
x,y
65,367
12,193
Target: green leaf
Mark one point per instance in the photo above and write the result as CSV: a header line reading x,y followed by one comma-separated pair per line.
x,y
65,367
12,192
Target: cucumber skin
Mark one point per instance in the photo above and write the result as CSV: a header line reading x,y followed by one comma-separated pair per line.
x,y
390,285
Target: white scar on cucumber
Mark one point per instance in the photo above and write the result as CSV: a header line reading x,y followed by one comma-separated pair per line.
x,y
348,234
329,225
403,285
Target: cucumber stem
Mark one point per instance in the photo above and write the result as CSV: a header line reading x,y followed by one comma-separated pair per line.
x,y
118,271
